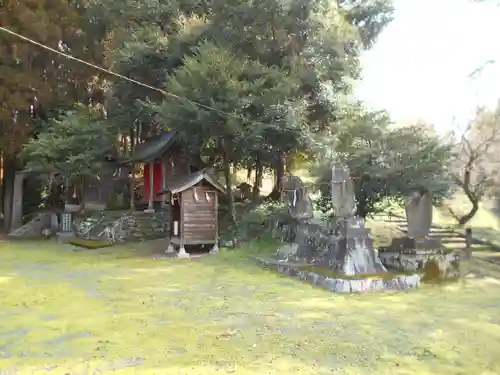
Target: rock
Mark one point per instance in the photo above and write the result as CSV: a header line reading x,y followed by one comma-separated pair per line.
x,y
287,251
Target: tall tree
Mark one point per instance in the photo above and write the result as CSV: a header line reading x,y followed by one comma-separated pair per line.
x,y
477,160
317,42
227,88
31,79
385,163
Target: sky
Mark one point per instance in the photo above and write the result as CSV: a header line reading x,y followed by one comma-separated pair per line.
x,y
419,67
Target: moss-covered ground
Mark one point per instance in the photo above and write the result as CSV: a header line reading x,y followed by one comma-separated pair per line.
x,y
119,311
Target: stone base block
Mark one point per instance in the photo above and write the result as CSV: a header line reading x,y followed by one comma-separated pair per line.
x,y
346,285
64,237
446,260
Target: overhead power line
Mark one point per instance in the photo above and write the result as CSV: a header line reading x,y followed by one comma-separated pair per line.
x,y
121,76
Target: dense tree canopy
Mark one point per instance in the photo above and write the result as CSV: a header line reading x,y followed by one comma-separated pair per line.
x,y
72,146
33,79
385,162
251,84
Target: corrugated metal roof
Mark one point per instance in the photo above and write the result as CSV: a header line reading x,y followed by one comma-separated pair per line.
x,y
183,183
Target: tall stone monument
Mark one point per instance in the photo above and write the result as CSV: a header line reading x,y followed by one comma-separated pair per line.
x,y
342,192
346,247
414,251
418,209
355,253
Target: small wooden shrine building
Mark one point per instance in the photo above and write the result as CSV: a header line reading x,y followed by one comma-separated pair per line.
x,y
163,160
194,210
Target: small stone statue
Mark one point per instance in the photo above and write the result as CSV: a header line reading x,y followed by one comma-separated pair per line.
x,y
296,197
342,190
300,208
419,214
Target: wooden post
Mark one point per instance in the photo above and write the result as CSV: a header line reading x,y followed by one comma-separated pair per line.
x,y
151,187
182,251
468,243
132,187
215,248
164,182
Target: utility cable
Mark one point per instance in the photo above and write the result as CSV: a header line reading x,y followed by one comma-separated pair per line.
x,y
107,71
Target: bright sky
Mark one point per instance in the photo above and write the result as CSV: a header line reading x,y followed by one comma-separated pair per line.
x,y
420,65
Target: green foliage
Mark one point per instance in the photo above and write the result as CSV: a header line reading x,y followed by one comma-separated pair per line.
x,y
31,77
240,87
258,221
385,162
72,146
313,44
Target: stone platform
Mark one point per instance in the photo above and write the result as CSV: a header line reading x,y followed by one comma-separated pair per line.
x,y
347,284
413,255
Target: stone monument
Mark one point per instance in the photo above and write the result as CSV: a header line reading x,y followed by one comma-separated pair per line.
x,y
339,254
413,251
346,247
300,211
342,192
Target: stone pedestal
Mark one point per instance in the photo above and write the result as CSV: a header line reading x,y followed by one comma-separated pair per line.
x,y
64,237
347,251
170,249
411,254
182,253
214,250
65,232
356,253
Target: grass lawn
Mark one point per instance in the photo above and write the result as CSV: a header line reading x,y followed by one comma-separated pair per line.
x,y
122,312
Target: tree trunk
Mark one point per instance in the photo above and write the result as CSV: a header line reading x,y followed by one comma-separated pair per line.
x,y
9,174
249,173
467,217
230,197
473,196
1,183
259,169
279,173
362,207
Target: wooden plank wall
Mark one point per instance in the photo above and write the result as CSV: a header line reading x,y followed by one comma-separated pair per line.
x,y
200,216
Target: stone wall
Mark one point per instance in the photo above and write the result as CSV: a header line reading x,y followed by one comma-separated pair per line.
x,y
140,226
127,226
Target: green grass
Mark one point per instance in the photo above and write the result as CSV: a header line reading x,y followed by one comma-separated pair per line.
x,y
118,310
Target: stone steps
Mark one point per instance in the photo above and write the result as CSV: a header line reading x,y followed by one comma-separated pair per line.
x,y
446,235
32,228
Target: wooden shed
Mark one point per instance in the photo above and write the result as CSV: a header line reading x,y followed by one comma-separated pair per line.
x,y
194,211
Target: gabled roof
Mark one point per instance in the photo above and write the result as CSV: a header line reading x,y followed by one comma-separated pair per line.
x,y
183,183
153,148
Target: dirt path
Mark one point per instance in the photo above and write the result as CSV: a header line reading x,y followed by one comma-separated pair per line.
x,y
66,312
